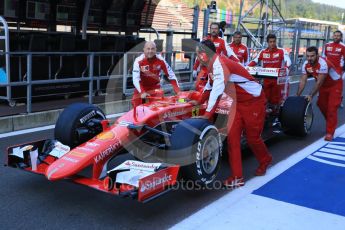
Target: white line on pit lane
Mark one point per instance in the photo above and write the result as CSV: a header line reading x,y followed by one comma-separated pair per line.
x,y
224,206
39,129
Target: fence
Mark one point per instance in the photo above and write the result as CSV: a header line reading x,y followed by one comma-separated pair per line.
x,y
121,72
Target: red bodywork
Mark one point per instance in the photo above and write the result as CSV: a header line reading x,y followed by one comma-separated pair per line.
x,y
96,152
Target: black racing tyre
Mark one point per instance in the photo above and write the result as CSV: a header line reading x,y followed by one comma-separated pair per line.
x,y
196,146
297,116
72,117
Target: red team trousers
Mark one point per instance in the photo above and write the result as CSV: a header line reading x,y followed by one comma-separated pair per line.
x,y
250,118
329,100
273,91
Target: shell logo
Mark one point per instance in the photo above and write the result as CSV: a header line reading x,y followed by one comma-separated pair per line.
x,y
106,136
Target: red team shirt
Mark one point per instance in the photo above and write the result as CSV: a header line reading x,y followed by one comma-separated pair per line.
x,y
335,53
323,66
272,59
225,70
241,52
146,73
222,48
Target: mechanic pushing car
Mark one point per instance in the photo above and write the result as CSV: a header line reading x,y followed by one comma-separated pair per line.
x,y
222,47
329,85
272,57
146,71
250,109
239,48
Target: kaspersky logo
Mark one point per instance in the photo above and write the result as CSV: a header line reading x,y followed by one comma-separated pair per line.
x,y
152,184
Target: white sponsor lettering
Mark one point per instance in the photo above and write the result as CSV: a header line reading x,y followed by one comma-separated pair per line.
x,y
87,116
85,149
145,68
173,114
141,165
222,111
107,152
70,159
92,144
137,165
149,185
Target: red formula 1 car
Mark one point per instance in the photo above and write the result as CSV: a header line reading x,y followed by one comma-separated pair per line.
x,y
147,149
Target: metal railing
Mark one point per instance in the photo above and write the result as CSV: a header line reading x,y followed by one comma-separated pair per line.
x,y
91,78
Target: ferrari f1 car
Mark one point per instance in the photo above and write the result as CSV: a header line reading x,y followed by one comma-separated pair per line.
x,y
165,137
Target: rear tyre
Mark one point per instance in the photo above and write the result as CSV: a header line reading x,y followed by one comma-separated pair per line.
x,y
196,145
72,117
297,116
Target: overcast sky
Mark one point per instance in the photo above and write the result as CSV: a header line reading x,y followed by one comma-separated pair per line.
x,y
339,3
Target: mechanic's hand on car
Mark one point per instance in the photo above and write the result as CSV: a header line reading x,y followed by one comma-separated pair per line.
x,y
144,95
194,74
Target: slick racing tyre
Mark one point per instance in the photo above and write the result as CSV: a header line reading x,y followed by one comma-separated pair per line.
x,y
196,146
75,117
297,116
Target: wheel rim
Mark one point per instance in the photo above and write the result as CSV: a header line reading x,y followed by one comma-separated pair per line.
x,y
308,117
210,154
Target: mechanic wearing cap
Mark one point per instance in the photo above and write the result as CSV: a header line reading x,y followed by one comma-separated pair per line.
x,y
329,85
250,109
146,70
239,48
272,57
221,45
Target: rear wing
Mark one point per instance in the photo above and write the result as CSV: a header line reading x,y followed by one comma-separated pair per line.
x,y
281,74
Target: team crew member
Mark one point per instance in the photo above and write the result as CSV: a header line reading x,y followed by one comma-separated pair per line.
x,y
335,51
250,109
146,70
328,84
222,47
239,48
273,57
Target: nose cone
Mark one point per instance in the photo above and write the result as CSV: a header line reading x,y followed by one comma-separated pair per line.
x,y
62,168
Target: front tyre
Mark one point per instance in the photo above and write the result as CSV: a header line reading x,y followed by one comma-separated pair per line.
x,y
73,118
196,145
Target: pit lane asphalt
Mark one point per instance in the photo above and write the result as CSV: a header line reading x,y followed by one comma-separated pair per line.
x,y
28,201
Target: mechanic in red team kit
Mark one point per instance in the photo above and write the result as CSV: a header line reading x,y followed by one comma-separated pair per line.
x,y
329,85
335,51
239,48
250,109
146,71
221,46
272,57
